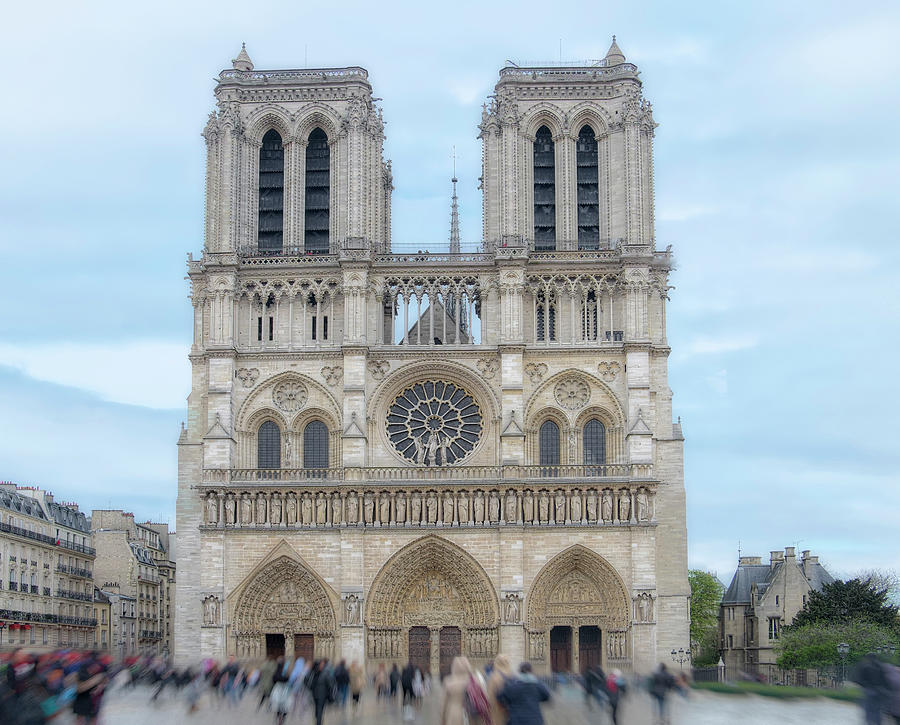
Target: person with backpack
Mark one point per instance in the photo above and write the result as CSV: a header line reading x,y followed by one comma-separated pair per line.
x,y
522,696
614,688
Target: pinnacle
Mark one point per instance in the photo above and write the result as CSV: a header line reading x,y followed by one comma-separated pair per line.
x,y
242,62
614,56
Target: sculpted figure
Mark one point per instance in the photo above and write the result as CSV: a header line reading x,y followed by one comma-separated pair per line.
x,y
212,510
592,506
432,448
211,611
286,450
494,507
444,448
624,506
384,509
336,518
575,505
607,506
260,509
643,506
321,510
276,509
431,506
415,506
528,507
352,508
306,509
246,510
291,510
462,509
229,510
448,509
352,608
479,507
369,508
511,507
560,505
400,508
645,605
544,507
420,449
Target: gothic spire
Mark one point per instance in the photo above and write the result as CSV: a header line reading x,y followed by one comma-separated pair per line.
x,y
454,213
242,62
614,56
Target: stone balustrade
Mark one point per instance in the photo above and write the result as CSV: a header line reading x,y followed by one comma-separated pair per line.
x,y
326,505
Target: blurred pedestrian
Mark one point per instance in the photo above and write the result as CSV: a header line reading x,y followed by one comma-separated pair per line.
x,y
500,673
321,686
281,696
522,696
661,682
394,679
453,703
342,682
871,676
381,681
615,688
267,679
357,682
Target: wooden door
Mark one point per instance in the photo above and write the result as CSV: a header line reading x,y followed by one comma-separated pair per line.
x,y
420,648
588,648
274,645
561,649
304,646
451,646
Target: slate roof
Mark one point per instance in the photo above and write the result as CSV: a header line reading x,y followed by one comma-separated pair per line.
x,y
142,554
762,575
21,504
66,516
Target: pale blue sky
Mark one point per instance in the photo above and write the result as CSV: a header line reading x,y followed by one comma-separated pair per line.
x,y
776,181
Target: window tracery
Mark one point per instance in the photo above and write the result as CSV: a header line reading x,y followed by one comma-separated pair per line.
x,y
271,193
269,445
544,191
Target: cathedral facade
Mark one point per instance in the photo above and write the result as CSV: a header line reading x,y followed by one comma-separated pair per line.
x,y
393,456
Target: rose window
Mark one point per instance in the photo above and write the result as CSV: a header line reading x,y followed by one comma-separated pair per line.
x,y
434,423
289,396
572,393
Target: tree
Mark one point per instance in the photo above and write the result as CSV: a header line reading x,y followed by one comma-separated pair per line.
x,y
849,601
815,644
706,596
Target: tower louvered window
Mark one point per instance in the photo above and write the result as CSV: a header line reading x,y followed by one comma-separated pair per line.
x,y
545,318
587,190
269,446
271,193
544,191
318,193
315,445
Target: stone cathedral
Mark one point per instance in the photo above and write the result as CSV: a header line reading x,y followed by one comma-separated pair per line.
x,y
392,455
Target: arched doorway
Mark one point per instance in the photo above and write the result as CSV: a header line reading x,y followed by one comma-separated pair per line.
x,y
577,614
433,586
282,608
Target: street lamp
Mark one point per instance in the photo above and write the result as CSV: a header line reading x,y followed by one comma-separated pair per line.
x,y
843,650
680,656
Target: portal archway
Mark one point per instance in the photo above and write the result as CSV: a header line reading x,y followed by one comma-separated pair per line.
x,y
578,594
282,604
434,584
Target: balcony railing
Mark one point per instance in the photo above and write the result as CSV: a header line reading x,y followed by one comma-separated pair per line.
x,y
74,571
81,597
19,616
386,475
34,536
150,634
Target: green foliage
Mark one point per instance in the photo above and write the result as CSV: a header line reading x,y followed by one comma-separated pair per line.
x,y
848,694
849,601
706,596
815,644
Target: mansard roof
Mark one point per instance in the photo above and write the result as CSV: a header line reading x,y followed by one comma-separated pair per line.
x,y
26,505
762,575
67,516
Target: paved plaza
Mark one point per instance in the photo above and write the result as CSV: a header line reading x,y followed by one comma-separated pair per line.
x,y
134,708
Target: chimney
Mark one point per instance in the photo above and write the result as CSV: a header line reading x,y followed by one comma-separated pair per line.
x,y
775,558
790,552
749,560
809,562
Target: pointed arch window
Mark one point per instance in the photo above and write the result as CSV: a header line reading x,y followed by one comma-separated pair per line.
x,y
545,317
594,443
548,443
544,190
268,446
588,190
270,231
318,193
590,313
315,445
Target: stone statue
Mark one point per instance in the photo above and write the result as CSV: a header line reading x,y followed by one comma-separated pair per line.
x,y
607,506
494,507
479,507
528,507
212,510
512,608
275,516
431,507
229,510
352,508
645,608
592,506
260,509
321,509
624,506
448,509
211,611
384,509
544,507
246,510
511,507
400,508
336,518
462,509
431,449
420,449
286,450
306,509
560,506
643,506
415,506
369,508
444,448
575,505
291,510
352,609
